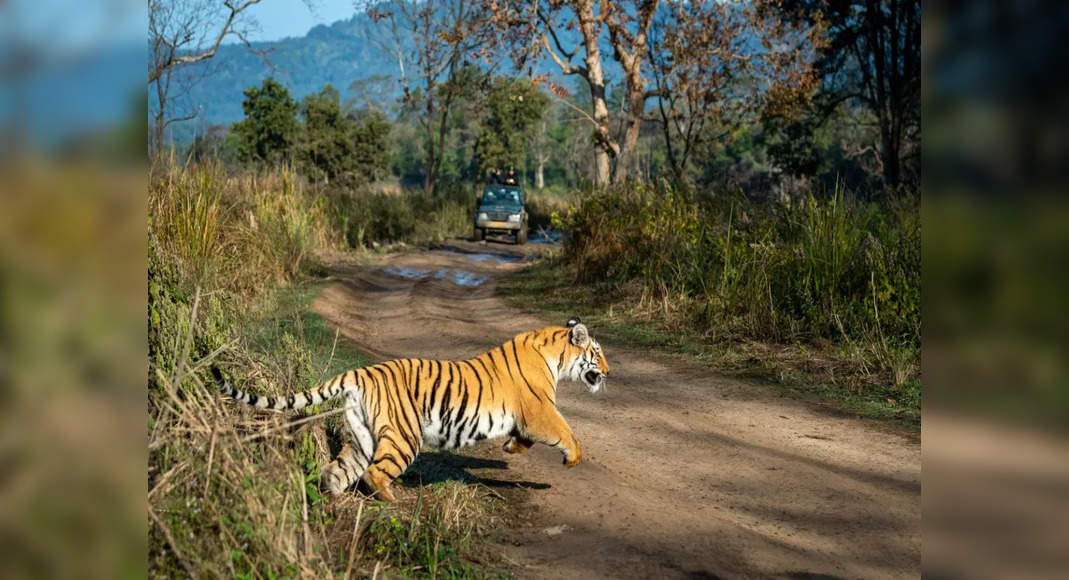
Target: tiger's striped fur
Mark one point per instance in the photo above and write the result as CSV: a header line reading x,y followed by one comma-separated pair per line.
x,y
394,407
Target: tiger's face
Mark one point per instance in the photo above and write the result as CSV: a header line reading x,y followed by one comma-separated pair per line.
x,y
589,365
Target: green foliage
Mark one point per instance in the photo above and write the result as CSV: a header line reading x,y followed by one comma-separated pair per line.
x,y
367,218
513,107
269,130
823,269
371,151
425,539
327,140
335,146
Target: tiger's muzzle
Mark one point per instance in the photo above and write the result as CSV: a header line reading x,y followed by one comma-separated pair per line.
x,y
594,380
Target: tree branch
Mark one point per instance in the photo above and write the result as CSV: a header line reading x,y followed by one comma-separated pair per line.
x,y
565,67
585,115
173,60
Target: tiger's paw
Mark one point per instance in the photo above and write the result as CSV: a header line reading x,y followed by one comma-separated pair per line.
x,y
573,460
334,481
385,494
514,445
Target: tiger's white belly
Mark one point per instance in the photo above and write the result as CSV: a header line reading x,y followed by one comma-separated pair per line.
x,y
453,433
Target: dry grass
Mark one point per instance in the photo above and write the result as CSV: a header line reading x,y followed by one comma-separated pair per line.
x,y
234,491
245,233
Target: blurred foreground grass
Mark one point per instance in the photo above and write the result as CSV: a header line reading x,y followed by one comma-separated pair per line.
x,y
72,347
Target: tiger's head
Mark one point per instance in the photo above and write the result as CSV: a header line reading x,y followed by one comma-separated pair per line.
x,y
588,364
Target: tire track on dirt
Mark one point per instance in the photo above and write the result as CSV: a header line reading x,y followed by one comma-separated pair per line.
x,y
685,473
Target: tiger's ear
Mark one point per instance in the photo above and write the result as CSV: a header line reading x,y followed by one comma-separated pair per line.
x,y
580,337
573,321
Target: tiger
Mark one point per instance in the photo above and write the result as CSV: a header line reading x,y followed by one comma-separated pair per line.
x,y
393,407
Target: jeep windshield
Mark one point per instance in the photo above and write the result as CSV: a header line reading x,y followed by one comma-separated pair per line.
x,y
502,196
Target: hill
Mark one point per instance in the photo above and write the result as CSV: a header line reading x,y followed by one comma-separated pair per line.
x,y
337,54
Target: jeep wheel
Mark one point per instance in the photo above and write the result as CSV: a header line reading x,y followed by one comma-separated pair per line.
x,y
480,234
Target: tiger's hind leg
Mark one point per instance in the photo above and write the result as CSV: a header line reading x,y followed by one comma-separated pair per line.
x,y
354,458
345,470
393,454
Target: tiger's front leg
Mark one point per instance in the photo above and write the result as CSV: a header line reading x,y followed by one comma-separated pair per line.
x,y
550,428
517,443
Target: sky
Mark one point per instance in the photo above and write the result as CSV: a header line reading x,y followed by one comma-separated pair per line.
x,y
283,18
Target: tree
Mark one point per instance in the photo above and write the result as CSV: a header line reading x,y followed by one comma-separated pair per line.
x,y
180,33
873,58
716,65
341,147
217,142
629,28
694,28
328,140
540,29
444,36
513,106
371,152
269,130
541,151
375,92
535,30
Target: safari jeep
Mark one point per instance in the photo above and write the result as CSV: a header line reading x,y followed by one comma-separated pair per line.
x,y
500,211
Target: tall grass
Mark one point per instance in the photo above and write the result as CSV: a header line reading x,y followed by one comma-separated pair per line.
x,y
822,269
234,492
243,233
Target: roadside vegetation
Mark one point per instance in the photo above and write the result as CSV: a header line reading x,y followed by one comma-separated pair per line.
x,y
735,180
820,294
234,492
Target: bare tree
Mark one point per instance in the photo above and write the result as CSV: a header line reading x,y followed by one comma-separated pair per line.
x,y
180,33
715,64
540,151
629,28
532,31
445,37
536,30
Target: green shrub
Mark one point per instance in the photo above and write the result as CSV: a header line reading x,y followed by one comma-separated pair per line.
x,y
823,269
410,216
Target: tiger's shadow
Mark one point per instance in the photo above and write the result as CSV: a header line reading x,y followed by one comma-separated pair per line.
x,y
440,466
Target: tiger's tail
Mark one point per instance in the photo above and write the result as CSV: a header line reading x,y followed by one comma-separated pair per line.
x,y
324,392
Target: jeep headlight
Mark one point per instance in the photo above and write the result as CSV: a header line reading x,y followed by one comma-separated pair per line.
x,y
515,218
482,217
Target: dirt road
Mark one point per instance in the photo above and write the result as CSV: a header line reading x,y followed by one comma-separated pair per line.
x,y
685,473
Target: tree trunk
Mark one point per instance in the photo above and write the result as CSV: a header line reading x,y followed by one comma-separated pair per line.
x,y
625,165
631,62
540,180
891,162
604,147
636,105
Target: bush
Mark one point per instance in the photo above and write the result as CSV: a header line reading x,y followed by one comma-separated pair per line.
x,y
242,233
367,218
823,269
